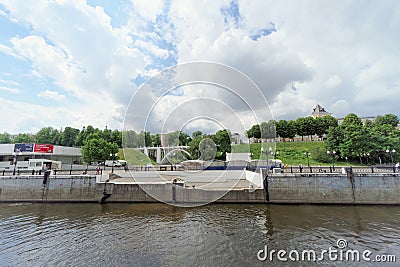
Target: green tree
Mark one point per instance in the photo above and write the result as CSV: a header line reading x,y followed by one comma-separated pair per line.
x,y
5,138
291,130
222,139
268,129
147,139
184,138
97,149
69,136
196,134
320,128
129,139
155,140
322,125
301,127
193,149
254,132
282,128
24,138
84,133
173,138
389,119
351,120
116,137
208,149
48,135
309,126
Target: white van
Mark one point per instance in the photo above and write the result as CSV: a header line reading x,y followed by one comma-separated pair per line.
x,y
110,163
42,164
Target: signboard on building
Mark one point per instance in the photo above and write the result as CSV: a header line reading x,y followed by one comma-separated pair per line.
x,y
23,147
43,148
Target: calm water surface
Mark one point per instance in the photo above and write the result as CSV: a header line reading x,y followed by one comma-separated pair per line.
x,y
213,235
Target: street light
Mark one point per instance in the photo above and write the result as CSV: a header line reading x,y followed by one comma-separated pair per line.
x,y
15,154
307,154
112,165
266,153
332,154
366,155
391,152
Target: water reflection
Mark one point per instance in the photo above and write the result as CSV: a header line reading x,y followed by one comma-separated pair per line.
x,y
157,234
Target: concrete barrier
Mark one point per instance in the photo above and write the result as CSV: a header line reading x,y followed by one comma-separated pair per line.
x,y
280,188
364,188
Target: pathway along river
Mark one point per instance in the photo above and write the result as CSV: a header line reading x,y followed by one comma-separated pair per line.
x,y
213,235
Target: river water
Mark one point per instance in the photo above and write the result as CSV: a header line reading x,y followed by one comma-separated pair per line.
x,y
212,235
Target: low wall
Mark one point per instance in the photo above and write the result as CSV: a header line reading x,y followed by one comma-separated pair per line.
x,y
334,188
279,188
82,188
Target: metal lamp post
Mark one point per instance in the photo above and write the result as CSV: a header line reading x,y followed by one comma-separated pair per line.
x,y
15,154
113,158
391,152
366,155
307,154
332,154
267,152
270,152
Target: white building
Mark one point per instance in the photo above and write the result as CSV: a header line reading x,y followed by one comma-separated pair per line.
x,y
24,152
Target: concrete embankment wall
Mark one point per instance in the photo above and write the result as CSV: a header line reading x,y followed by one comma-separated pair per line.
x,y
282,188
85,189
335,188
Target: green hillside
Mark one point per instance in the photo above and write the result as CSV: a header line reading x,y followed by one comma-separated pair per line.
x,y
134,157
292,153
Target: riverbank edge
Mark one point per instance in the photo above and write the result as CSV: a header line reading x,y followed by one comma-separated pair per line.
x,y
365,189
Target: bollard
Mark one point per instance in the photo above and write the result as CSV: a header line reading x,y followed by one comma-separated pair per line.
x,y
372,169
330,168
310,169
291,169
4,172
46,176
33,172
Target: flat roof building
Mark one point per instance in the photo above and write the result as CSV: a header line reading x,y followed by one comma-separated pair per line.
x,y
24,152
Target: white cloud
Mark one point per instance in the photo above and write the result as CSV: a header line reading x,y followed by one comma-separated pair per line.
x,y
52,95
333,81
9,82
8,51
342,55
10,89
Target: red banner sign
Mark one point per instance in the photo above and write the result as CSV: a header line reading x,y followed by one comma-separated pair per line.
x,y
43,148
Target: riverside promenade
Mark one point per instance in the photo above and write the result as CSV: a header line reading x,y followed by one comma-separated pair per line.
x,y
233,186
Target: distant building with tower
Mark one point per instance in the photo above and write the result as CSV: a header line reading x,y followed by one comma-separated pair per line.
x,y
319,111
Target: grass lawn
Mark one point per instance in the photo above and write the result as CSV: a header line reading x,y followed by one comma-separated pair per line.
x,y
291,153
134,157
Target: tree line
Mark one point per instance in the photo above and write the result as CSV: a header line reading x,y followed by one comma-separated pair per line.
x,y
371,142
220,142
307,126
68,136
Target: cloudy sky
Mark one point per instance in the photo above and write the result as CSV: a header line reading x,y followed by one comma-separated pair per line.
x,y
77,62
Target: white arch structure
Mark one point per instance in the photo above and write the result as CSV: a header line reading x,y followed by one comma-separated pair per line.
x,y
160,152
